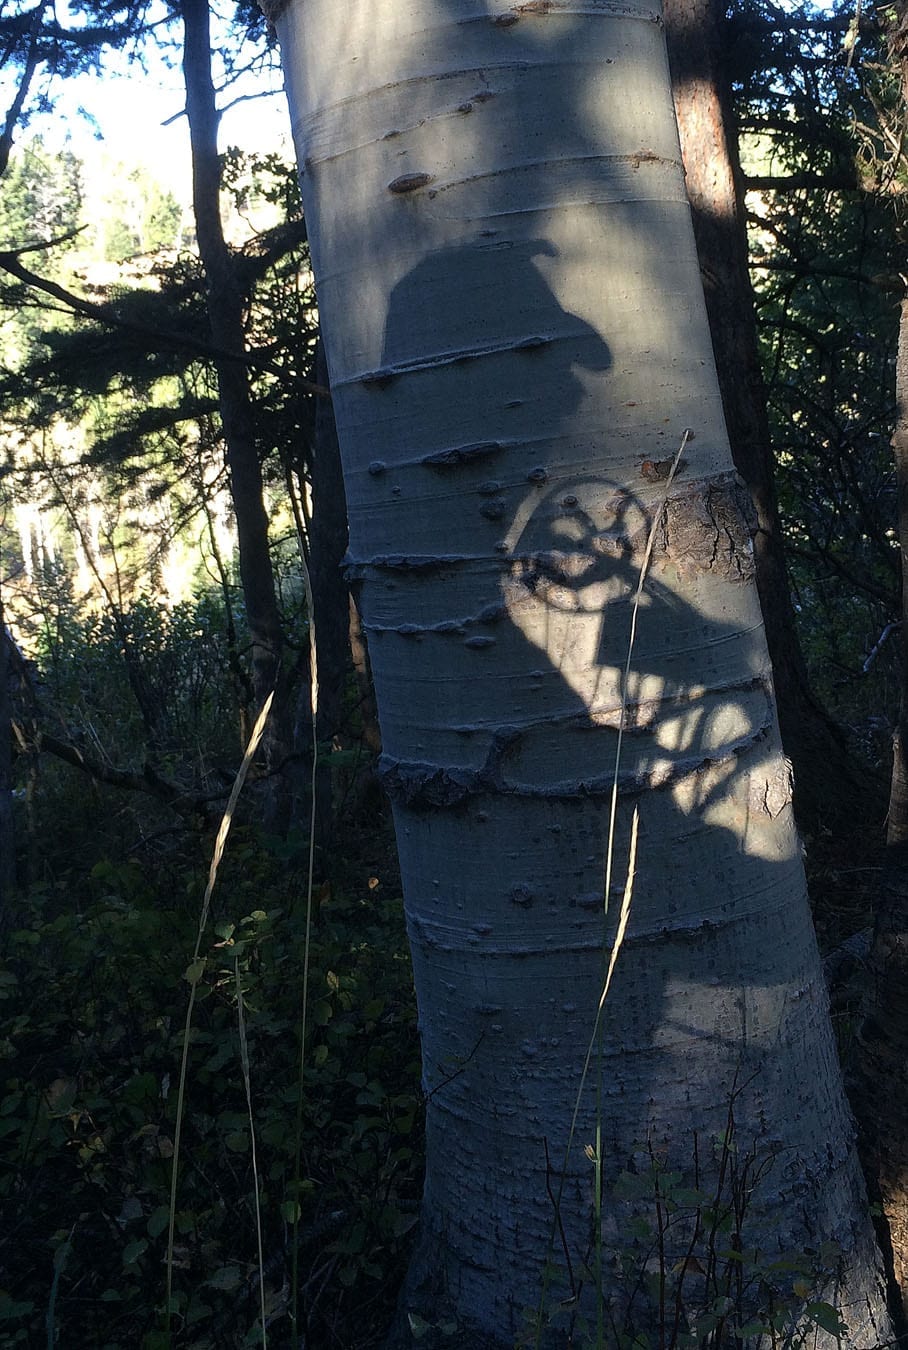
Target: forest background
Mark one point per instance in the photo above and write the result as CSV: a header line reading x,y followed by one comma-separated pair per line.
x,y
172,513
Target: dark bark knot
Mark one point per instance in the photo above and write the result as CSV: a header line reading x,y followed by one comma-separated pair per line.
x,y
457,455
409,182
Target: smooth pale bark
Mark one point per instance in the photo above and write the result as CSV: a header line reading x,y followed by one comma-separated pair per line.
x,y
517,341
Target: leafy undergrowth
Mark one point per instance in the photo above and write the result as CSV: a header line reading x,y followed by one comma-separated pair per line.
x,y
92,1004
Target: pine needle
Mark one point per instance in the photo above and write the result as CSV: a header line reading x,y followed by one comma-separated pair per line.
x,y
247,1084
194,974
624,914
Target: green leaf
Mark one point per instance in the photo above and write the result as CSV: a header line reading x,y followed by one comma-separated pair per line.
x,y
10,1310
60,1095
826,1317
194,971
133,1250
750,1330
226,1278
630,1186
158,1220
690,1198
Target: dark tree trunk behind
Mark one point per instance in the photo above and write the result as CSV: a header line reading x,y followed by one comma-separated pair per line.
x,y
881,1075
7,836
881,1083
327,546
897,825
828,793
225,302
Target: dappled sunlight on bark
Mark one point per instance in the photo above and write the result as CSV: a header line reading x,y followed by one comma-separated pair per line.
x,y
517,343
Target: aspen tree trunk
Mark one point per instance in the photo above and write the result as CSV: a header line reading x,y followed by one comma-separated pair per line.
x,y
517,342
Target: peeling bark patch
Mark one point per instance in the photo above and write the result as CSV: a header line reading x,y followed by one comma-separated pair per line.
x,y
657,470
646,156
709,528
409,182
423,785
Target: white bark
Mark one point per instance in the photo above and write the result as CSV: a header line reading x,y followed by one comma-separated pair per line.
x,y
517,341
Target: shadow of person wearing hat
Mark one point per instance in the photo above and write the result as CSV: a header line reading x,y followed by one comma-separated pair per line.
x,y
505,578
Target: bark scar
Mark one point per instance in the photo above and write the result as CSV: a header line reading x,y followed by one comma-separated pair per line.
x,y
709,528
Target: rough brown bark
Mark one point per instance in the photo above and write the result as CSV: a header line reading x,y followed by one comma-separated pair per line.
x,y
327,528
828,791
363,676
7,837
339,634
881,1073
